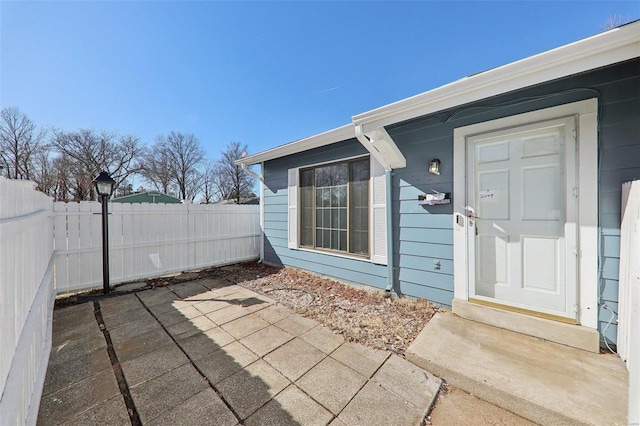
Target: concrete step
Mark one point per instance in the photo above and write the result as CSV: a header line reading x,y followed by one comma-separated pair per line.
x,y
545,382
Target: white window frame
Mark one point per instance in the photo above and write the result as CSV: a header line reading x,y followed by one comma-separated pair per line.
x,y
587,158
377,212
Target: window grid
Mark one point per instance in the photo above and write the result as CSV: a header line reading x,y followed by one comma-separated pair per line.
x,y
334,207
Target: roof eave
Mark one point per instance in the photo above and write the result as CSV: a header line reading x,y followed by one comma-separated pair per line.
x,y
338,134
610,47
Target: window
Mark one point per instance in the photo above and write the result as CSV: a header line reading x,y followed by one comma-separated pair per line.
x,y
334,207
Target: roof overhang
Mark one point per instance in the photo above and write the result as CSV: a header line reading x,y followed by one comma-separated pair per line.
x,y
380,144
327,138
610,47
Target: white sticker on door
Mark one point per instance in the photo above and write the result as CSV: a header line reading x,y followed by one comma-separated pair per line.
x,y
488,196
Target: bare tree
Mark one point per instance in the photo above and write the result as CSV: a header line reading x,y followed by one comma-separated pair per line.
x,y
156,168
20,142
615,21
231,180
125,188
44,173
207,181
87,152
182,155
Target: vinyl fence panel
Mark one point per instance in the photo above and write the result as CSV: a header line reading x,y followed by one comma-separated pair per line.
x,y
26,298
628,342
49,248
150,240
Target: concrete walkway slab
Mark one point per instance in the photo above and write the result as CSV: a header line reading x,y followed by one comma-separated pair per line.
x,y
323,339
110,412
211,351
76,369
200,343
545,382
375,405
266,340
294,358
201,409
225,362
450,410
72,324
157,296
273,314
291,407
153,364
244,326
122,334
140,345
332,384
408,381
161,394
365,361
69,401
70,349
245,394
296,325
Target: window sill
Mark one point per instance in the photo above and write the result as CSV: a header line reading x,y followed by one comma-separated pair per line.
x,y
336,254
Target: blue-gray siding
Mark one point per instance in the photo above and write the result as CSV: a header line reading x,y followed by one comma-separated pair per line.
x,y
423,235
275,221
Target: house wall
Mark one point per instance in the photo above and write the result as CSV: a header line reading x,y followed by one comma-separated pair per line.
x,y
423,235
276,249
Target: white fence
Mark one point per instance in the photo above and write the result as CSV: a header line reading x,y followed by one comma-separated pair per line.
x,y
628,340
26,298
148,240
47,249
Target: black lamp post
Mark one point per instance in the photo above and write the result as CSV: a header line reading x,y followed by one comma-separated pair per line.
x,y
104,187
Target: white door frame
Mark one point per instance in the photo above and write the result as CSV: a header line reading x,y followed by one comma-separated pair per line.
x,y
567,262
587,157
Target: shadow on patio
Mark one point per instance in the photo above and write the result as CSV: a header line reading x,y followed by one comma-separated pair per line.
x,y
182,354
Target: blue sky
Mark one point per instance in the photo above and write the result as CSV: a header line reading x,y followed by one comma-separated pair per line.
x,y
263,73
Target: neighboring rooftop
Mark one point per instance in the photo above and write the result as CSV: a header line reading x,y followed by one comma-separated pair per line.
x,y
153,197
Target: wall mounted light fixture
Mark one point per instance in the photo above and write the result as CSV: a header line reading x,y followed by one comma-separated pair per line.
x,y
434,166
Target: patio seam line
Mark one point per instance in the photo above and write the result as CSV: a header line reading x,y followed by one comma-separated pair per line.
x,y
134,417
365,382
327,355
193,364
432,403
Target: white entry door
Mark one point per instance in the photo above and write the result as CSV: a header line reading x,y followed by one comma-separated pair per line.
x,y
521,202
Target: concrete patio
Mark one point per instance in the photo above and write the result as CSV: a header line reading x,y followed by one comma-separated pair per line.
x,y
212,352
545,382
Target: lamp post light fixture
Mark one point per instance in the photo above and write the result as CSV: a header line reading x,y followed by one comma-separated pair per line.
x,y
104,187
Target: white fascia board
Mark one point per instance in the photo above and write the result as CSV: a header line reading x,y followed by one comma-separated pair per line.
x,y
338,134
604,49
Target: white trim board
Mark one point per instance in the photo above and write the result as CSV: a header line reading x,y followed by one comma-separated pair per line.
x,y
586,113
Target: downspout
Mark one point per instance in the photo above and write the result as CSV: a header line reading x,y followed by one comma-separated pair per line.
x,y
261,205
366,143
389,212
